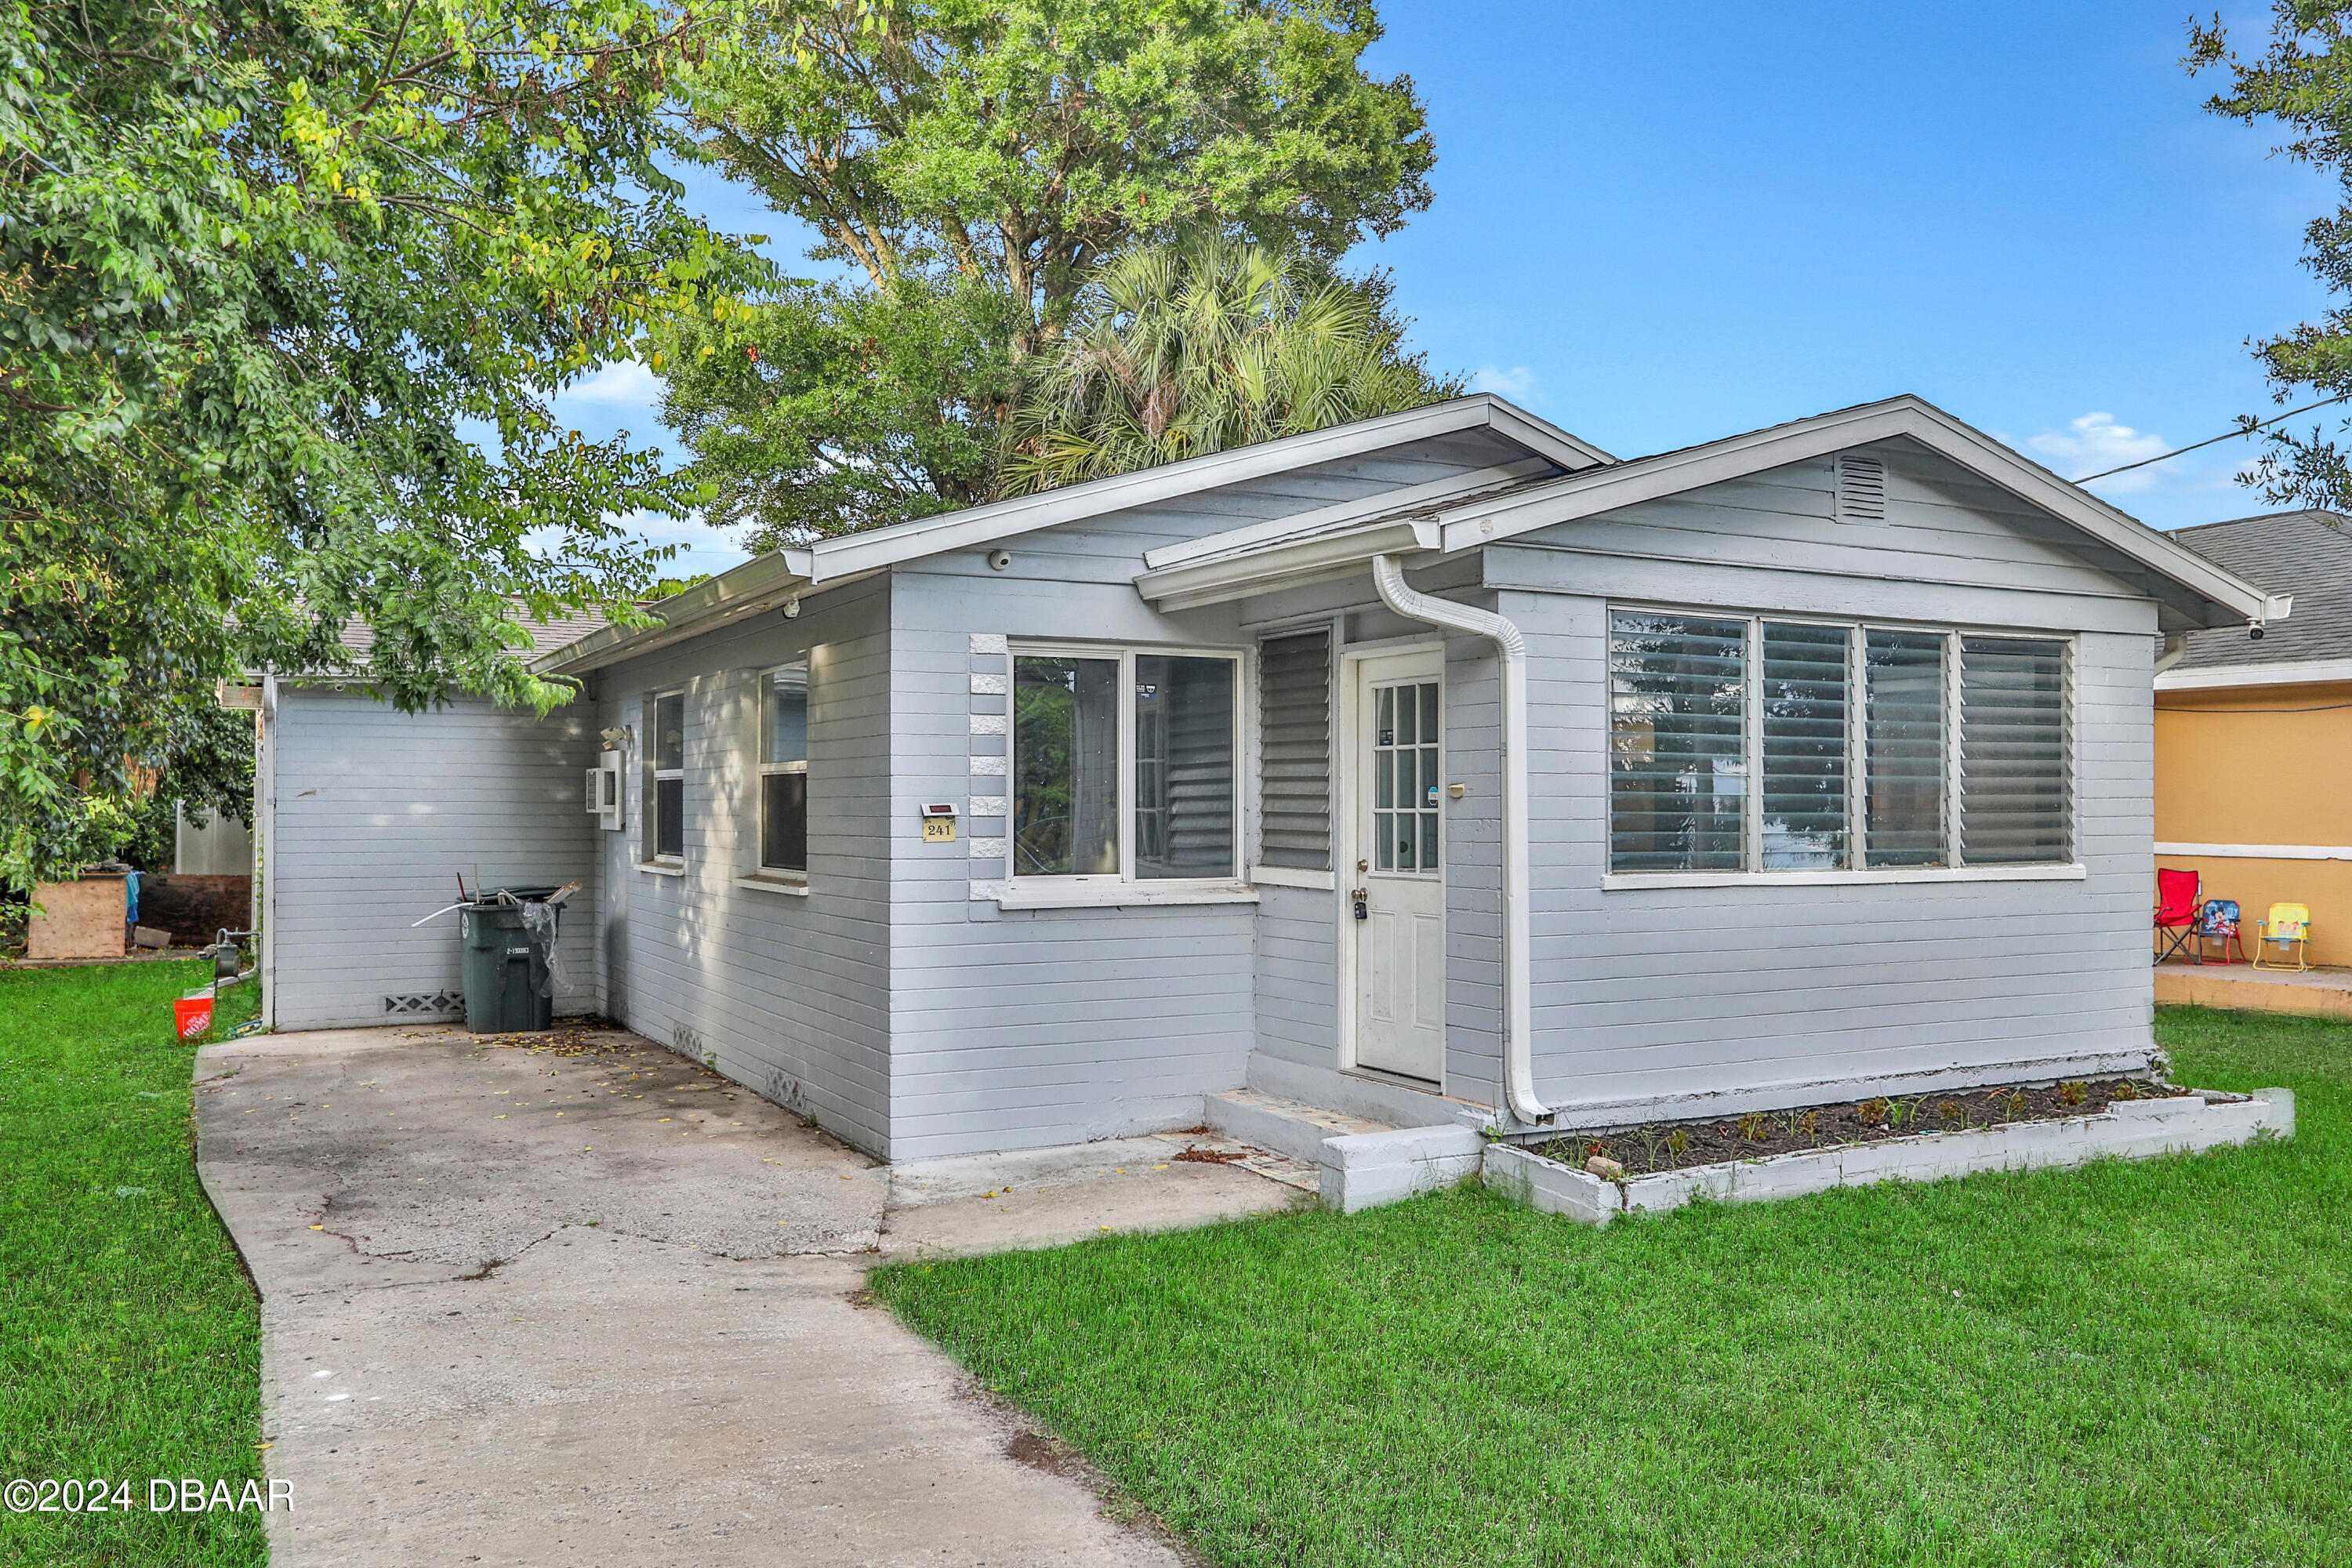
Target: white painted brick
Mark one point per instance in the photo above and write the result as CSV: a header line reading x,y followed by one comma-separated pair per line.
x,y
988,723
989,848
1364,1170
981,892
988,767
990,805
1550,1188
988,685
988,642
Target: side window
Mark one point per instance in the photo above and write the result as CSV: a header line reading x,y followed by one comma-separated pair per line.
x,y
665,814
784,769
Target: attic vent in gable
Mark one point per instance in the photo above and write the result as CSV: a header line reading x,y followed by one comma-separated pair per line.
x,y
1861,488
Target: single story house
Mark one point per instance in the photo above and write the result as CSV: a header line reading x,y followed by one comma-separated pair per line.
x,y
2254,738
1432,765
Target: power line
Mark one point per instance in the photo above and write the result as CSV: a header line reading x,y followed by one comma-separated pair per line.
x,y
2226,436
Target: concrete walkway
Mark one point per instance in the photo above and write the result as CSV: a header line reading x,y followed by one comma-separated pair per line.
x,y
576,1299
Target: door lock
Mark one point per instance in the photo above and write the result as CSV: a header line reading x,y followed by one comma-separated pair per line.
x,y
1361,899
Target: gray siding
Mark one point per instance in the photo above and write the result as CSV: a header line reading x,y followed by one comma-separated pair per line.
x,y
1654,995
375,815
785,993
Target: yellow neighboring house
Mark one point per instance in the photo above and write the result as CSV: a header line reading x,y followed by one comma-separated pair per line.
x,y
2254,739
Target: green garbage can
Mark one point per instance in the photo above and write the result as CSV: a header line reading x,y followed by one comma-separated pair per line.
x,y
505,966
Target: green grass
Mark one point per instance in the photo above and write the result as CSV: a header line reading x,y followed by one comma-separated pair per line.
x,y
2132,1363
129,1340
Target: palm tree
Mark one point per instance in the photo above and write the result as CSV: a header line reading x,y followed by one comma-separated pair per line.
x,y
1202,345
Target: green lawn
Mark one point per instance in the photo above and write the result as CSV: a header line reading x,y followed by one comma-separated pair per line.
x,y
130,1341
2144,1363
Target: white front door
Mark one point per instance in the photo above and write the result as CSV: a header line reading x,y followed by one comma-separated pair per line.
x,y
1397,900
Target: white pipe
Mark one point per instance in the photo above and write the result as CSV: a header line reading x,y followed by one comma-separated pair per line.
x,y
2176,647
1518,1010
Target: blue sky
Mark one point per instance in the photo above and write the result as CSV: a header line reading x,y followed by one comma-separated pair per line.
x,y
1658,226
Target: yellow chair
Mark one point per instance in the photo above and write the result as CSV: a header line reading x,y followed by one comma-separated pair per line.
x,y
2289,927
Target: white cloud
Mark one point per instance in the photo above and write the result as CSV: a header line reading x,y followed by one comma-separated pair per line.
x,y
1518,380
623,383
2095,443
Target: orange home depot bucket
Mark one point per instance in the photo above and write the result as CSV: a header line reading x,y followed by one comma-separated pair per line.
x,y
194,1016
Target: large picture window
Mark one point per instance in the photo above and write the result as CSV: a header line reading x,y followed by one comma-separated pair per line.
x,y
1871,748
1123,765
784,769
665,816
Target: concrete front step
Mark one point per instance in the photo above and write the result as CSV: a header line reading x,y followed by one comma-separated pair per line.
x,y
1290,1127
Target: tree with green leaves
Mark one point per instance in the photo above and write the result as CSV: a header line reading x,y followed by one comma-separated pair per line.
x,y
1176,351
970,166
2301,81
285,293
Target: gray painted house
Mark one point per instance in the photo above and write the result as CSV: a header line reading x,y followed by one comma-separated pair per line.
x,y
1430,762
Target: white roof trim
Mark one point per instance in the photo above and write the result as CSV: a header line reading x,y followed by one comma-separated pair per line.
x,y
762,583
1323,556
2286,672
1235,540
829,559
1585,494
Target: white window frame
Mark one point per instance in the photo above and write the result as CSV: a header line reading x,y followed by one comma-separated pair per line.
x,y
1124,886
759,873
1855,871
651,857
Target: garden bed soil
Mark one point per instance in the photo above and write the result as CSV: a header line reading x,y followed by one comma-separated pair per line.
x,y
1657,1146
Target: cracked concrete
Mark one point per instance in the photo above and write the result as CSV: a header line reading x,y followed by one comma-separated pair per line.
x,y
575,1299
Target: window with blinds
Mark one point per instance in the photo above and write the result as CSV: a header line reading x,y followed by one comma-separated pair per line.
x,y
2013,758
1804,671
1295,750
1677,745
1872,748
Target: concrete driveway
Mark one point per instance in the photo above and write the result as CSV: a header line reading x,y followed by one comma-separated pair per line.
x,y
573,1298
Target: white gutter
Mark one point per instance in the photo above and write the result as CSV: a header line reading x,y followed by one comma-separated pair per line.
x,y
1518,1009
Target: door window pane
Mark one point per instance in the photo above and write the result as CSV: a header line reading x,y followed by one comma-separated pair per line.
x,y
1678,763
2013,762
1065,766
1804,723
1404,773
1183,766
1904,761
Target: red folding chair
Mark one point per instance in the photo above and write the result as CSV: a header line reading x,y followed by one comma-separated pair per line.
x,y
2179,897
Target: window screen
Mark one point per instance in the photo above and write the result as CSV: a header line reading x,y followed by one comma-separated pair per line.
x,y
1904,761
2013,760
1678,766
1803,713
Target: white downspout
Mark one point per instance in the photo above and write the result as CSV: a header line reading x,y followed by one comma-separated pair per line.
x,y
1518,1011
2176,647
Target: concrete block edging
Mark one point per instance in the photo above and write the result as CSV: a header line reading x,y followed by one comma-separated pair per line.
x,y
2132,1130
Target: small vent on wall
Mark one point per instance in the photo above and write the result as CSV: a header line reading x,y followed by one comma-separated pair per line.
x,y
425,1003
1861,488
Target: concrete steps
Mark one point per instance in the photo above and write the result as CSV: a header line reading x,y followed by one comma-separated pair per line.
x,y
1287,1127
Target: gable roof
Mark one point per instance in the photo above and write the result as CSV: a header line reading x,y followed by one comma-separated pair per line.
x,y
2200,592
770,580
2305,553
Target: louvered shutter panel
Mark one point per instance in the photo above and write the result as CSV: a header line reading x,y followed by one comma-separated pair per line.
x,y
2014,807
1295,750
